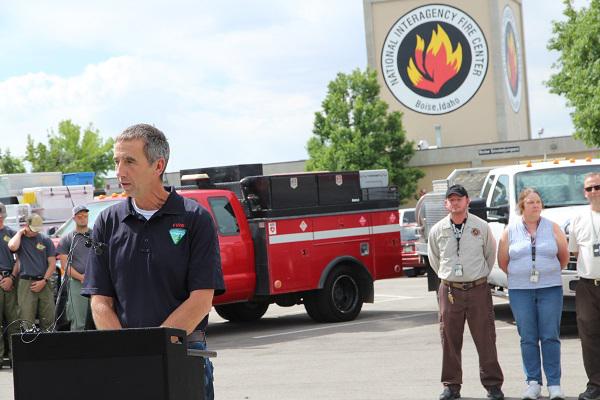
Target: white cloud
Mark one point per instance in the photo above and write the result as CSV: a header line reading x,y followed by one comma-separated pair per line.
x,y
227,82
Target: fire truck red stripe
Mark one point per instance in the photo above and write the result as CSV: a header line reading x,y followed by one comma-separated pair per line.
x,y
332,234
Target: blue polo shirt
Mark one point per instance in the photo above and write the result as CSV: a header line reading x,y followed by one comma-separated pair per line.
x,y
149,267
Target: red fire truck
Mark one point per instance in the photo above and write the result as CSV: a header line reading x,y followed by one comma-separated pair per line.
x,y
318,239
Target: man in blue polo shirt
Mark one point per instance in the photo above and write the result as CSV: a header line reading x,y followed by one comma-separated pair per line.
x,y
158,261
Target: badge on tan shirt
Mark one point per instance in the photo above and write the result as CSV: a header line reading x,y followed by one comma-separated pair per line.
x,y
40,247
475,232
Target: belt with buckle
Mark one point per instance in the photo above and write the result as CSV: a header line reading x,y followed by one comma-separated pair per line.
x,y
196,336
465,285
32,277
595,282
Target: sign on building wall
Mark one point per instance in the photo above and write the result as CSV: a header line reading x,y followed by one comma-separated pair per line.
x,y
435,58
512,59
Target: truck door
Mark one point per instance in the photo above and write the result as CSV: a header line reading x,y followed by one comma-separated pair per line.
x,y
236,251
498,200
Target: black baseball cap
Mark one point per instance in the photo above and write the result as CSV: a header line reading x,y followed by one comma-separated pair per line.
x,y
457,190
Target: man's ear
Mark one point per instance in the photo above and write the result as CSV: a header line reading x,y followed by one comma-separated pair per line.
x,y
160,166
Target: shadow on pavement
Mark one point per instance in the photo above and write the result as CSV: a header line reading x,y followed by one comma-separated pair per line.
x,y
229,335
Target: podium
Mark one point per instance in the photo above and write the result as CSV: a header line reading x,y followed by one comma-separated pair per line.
x,y
125,364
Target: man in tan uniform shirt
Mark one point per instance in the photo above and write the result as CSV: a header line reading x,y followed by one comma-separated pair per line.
x,y
462,252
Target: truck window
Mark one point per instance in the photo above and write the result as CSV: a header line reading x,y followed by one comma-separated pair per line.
x,y
500,193
487,186
557,186
224,216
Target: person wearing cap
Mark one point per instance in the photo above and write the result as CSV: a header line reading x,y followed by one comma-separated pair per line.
x,y
8,273
73,244
37,257
157,261
462,251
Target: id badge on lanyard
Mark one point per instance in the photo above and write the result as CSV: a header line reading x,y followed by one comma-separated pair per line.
x,y
596,245
535,274
458,268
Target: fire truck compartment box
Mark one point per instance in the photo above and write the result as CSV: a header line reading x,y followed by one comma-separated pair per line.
x,y
56,202
281,191
374,178
117,365
228,173
338,188
380,193
78,178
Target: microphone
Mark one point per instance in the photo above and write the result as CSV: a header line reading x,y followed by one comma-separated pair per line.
x,y
97,246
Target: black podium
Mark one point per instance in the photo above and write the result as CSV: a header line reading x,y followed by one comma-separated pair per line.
x,y
126,364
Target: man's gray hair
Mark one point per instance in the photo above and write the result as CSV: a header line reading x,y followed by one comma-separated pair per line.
x,y
155,142
591,175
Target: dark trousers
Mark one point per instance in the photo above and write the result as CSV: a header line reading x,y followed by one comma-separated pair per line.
x,y
476,307
587,303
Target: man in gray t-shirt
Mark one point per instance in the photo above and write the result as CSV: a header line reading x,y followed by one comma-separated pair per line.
x,y
37,257
74,243
8,294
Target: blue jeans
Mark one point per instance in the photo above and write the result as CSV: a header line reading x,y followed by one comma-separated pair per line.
x,y
209,390
537,313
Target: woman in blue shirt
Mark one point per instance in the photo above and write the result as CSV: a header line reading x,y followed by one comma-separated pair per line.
x,y
533,251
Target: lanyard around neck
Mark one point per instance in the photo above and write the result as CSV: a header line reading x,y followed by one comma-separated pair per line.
x,y
533,238
458,234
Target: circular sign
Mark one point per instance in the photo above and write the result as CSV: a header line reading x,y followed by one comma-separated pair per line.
x,y
512,59
434,59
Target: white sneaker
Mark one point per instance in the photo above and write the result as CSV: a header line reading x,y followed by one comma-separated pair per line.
x,y
533,391
554,393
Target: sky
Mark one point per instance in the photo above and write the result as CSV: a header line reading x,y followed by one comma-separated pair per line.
x,y
229,82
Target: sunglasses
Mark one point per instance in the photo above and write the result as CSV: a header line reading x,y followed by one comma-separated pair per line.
x,y
590,188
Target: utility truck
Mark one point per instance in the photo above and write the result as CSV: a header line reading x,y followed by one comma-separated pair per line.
x,y
560,183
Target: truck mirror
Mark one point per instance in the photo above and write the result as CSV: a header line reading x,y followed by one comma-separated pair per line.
x,y
500,214
52,231
477,207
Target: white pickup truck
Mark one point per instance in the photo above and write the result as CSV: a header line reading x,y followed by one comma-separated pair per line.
x,y
559,182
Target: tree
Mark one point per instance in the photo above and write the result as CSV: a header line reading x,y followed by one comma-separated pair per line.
x,y
577,39
70,151
10,164
355,131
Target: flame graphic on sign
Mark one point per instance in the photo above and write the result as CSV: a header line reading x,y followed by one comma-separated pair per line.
x,y
430,71
511,61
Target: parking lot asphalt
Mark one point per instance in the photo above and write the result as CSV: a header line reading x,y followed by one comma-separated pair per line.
x,y
391,351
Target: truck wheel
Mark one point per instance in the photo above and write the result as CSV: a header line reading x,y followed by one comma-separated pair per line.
x,y
340,299
311,304
242,312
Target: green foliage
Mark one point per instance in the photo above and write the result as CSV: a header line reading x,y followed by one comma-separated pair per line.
x,y
355,131
71,151
10,164
577,39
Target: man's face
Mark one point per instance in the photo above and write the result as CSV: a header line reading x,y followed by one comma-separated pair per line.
x,y
29,232
136,175
457,204
81,219
593,196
